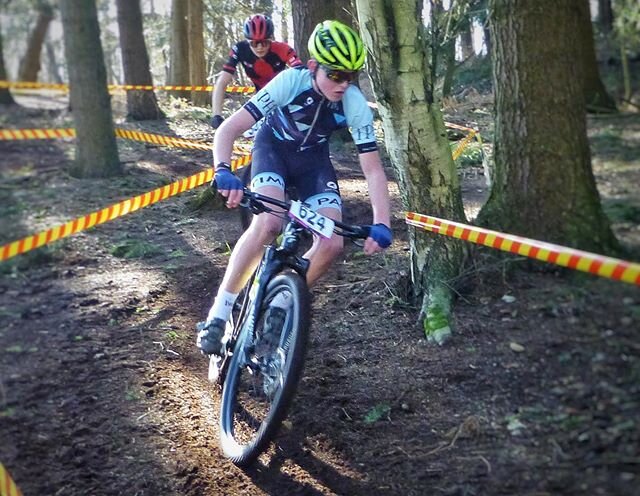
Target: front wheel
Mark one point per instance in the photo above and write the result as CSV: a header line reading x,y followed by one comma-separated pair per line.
x,y
263,374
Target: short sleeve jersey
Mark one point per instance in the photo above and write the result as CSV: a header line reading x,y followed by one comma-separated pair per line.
x,y
261,70
298,114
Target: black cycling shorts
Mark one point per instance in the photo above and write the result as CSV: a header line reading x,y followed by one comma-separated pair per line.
x,y
310,172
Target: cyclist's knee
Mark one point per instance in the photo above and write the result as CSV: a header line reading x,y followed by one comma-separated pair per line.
x,y
332,248
266,227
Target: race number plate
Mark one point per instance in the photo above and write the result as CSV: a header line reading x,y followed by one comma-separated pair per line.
x,y
318,223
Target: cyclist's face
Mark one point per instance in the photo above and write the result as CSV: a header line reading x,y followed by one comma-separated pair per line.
x,y
333,90
260,48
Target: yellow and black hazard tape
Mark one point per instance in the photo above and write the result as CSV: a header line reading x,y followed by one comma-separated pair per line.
x,y
7,486
158,139
471,133
458,126
584,261
125,87
110,213
24,85
32,134
463,144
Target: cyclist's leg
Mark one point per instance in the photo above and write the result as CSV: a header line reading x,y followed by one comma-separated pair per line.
x,y
250,247
267,178
317,186
324,252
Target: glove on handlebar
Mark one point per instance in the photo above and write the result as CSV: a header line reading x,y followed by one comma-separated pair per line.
x,y
381,234
225,179
216,120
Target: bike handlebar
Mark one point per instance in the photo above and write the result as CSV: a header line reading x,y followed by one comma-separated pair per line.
x,y
256,203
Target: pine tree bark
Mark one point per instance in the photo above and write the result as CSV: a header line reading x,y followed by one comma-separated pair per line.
x,y
30,63
5,94
141,104
595,94
197,65
308,13
415,137
96,151
179,65
543,184
605,15
466,41
52,63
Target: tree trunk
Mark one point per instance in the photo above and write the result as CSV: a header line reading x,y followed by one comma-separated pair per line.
x,y
179,65
466,41
52,63
96,151
30,63
416,140
605,15
5,94
197,64
263,7
596,96
308,13
543,185
284,20
486,39
141,105
449,63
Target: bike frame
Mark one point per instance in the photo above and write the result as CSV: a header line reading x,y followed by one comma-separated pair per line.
x,y
275,259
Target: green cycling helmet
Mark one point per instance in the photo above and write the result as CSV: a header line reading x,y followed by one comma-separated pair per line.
x,y
337,46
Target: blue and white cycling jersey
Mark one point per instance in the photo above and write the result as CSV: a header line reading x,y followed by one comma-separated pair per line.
x,y
299,115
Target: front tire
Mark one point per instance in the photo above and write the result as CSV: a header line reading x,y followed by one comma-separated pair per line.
x,y
259,386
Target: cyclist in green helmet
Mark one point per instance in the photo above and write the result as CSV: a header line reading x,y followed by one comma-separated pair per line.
x,y
301,107
337,46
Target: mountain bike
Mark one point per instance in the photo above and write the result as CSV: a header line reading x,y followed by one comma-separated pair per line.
x,y
263,361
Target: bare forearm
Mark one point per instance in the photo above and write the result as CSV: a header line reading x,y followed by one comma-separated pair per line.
x,y
226,134
218,92
378,190
379,194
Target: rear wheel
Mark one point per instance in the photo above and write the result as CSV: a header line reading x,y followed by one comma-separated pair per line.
x,y
263,375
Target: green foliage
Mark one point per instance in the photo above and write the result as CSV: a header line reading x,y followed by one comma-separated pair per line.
x,y
476,73
627,23
33,259
378,412
7,412
471,155
207,198
132,248
181,109
621,211
436,325
610,144
177,254
443,27
131,394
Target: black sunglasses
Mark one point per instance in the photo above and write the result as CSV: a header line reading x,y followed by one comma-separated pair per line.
x,y
340,76
259,43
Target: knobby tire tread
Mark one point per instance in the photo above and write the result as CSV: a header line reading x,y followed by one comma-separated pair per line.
x,y
295,359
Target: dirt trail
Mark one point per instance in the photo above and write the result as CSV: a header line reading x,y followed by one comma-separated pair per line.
x,y
102,391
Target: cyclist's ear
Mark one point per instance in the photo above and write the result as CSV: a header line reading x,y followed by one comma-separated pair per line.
x,y
312,65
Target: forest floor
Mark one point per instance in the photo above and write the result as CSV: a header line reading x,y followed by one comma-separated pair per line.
x,y
103,392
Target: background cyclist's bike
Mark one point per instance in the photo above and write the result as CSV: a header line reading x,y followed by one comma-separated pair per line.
x,y
265,345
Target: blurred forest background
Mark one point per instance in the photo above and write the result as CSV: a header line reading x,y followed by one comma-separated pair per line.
x,y
102,390
33,46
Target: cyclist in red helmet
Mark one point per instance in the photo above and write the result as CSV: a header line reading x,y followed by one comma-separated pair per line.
x,y
261,57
